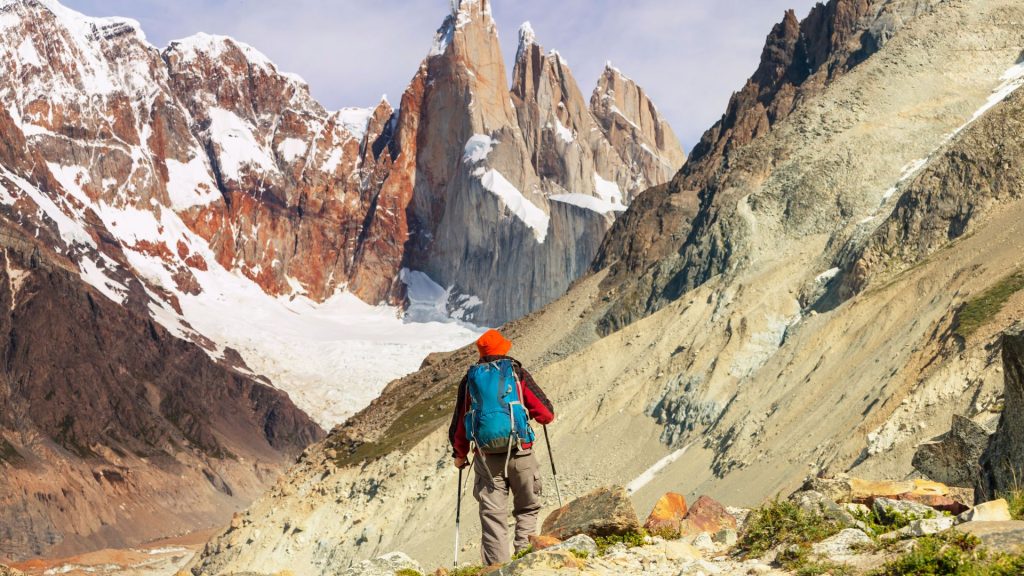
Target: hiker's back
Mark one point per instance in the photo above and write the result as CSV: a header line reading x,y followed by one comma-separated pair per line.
x,y
497,420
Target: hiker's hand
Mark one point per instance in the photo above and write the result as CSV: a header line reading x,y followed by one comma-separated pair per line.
x,y
461,462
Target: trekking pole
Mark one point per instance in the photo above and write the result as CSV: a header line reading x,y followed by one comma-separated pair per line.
x,y
554,473
458,514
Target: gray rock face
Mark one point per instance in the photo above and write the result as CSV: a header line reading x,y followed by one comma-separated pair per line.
x,y
1003,462
513,196
817,503
892,510
954,458
846,543
580,542
386,565
1003,536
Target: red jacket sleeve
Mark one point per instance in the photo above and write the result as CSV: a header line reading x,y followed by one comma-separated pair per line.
x,y
457,429
534,399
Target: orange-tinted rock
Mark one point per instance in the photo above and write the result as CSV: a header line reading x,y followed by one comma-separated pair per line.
x,y
668,514
603,512
707,515
543,541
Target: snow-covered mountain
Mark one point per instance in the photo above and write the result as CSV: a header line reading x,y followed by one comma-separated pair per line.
x,y
201,185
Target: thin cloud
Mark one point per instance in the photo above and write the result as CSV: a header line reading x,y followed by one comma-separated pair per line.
x,y
689,55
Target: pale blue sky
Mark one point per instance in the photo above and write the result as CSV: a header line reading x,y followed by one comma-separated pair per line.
x,y
689,55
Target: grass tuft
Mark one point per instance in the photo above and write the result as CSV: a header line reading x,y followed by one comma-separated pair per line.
x,y
523,552
981,310
783,523
630,540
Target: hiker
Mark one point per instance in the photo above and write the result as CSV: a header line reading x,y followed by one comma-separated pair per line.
x,y
500,465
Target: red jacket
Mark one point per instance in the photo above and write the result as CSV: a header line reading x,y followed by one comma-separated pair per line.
x,y
534,400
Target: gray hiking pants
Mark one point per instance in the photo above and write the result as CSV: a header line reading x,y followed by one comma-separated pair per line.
x,y
491,491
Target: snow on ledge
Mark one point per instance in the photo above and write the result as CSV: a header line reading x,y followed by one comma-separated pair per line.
x,y
529,214
591,203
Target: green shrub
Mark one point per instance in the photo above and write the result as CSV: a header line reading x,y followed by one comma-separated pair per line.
x,y
523,552
631,540
780,523
979,311
581,554
952,554
408,572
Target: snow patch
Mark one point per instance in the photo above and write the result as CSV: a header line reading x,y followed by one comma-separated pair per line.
x,y
478,147
238,145
333,161
529,214
291,148
826,276
599,205
564,133
97,278
607,190
356,120
27,54
214,46
646,478
190,185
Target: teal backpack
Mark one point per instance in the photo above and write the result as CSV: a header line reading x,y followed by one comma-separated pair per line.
x,y
497,420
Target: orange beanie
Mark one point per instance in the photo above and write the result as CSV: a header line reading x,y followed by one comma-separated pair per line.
x,y
492,343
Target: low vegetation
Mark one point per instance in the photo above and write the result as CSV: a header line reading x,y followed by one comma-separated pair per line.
x,y
629,540
782,523
893,520
952,554
1015,498
981,310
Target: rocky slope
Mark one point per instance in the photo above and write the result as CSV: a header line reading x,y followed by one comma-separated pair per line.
x,y
112,431
716,346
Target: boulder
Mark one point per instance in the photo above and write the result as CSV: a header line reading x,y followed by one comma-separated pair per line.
x,y
579,542
542,562
706,515
1005,537
928,526
953,457
994,511
848,542
668,514
817,503
889,510
385,565
543,541
603,512
845,489
1002,465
